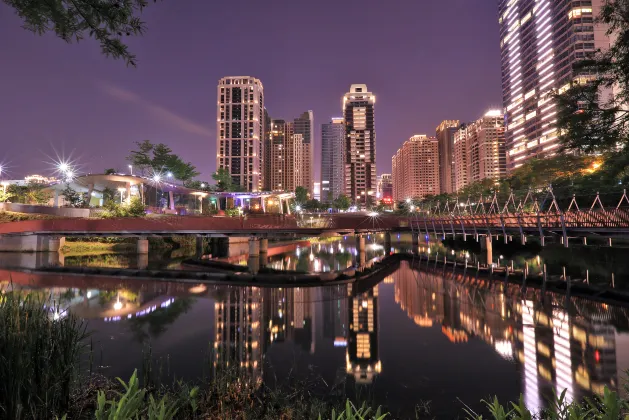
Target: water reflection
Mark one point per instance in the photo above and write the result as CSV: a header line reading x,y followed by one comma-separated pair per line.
x,y
424,333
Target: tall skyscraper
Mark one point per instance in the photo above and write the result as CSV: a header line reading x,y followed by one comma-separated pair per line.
x,y
240,130
479,150
540,41
460,158
332,159
360,144
266,173
280,137
445,137
304,125
385,188
416,168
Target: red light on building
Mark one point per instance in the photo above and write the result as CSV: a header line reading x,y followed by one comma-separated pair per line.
x,y
597,356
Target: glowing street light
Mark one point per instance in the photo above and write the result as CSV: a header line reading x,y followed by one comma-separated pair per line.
x,y
63,167
169,174
157,178
408,200
202,185
131,169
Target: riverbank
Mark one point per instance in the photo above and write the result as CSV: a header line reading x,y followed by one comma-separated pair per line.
x,y
99,245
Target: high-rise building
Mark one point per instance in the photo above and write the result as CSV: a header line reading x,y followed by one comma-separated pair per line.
x,y
332,159
304,125
540,41
360,144
416,168
486,148
479,150
445,136
385,188
280,136
240,130
266,173
460,158
316,191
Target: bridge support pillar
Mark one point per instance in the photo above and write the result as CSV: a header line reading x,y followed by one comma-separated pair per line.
x,y
142,261
564,241
585,240
360,247
487,247
264,245
253,262
254,247
199,246
143,245
523,240
387,243
31,243
415,240
610,242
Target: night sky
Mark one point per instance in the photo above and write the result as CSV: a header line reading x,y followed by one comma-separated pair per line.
x,y
425,60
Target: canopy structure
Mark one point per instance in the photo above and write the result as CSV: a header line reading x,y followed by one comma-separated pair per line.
x,y
168,197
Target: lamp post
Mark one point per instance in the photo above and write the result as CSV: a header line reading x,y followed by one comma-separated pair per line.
x,y
131,169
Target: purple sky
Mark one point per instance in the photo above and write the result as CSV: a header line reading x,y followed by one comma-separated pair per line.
x,y
425,60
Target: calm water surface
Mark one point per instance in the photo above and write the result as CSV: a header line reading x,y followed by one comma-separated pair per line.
x,y
422,334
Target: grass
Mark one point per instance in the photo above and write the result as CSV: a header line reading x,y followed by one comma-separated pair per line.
x,y
11,216
80,248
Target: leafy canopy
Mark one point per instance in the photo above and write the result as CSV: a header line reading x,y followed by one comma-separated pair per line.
x,y
589,118
159,158
107,21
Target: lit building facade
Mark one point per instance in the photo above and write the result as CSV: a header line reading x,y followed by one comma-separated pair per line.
x,y
332,159
445,136
240,130
385,188
540,41
459,158
360,144
304,125
479,150
266,173
416,168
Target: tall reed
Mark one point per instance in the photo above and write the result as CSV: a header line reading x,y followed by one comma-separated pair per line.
x,y
39,356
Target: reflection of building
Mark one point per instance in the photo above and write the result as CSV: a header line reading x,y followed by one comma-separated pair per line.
x,y
554,350
363,361
423,305
240,130
415,168
360,144
238,329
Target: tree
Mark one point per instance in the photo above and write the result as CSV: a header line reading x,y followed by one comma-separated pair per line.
x,y
110,171
107,21
301,195
342,202
223,180
33,193
5,195
587,119
159,158
72,197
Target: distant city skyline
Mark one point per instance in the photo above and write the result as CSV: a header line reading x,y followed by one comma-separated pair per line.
x,y
70,98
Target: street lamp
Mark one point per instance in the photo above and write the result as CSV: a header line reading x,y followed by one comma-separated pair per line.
x,y
131,169
169,174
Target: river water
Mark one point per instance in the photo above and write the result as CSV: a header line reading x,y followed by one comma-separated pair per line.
x,y
425,335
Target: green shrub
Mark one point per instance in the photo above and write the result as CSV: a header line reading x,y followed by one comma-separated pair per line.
x,y
135,208
39,356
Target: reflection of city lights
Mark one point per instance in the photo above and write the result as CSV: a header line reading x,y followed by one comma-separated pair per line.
x,y
504,349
